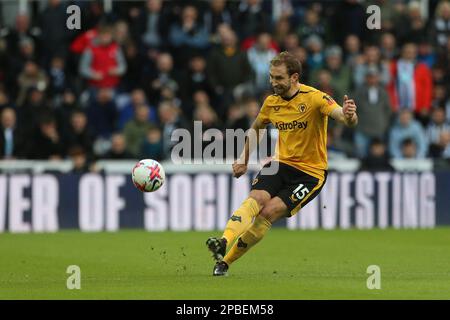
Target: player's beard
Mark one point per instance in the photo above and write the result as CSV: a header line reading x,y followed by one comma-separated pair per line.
x,y
282,90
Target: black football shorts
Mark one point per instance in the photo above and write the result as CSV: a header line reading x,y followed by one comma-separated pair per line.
x,y
293,186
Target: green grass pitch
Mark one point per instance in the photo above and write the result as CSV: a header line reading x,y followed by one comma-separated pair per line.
x,y
131,264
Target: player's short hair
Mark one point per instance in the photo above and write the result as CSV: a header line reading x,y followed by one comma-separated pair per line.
x,y
292,64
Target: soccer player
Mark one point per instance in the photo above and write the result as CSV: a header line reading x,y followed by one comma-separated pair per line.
x,y
300,113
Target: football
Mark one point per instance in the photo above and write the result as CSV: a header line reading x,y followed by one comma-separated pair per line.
x,y
148,175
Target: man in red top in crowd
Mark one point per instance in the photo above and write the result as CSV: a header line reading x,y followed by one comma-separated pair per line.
x,y
411,84
102,62
82,41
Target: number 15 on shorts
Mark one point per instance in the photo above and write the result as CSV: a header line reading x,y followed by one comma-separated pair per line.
x,y
301,191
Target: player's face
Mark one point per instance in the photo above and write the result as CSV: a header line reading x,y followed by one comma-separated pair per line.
x,y
280,80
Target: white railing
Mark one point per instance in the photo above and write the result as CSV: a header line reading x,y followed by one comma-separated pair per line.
x,y
412,164
125,166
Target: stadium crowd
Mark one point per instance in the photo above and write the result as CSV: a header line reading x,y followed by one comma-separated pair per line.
x,y
117,88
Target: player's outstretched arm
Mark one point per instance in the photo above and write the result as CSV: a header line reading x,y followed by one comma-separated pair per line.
x,y
347,114
252,139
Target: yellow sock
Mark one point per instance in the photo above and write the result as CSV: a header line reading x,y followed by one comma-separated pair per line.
x,y
241,220
251,237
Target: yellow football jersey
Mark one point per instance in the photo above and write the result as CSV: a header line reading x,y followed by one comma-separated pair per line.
x,y
302,128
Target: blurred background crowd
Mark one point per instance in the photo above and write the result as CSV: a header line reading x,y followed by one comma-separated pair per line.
x,y
137,70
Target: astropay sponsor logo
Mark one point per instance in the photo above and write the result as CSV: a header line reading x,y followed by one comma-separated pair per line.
x,y
284,126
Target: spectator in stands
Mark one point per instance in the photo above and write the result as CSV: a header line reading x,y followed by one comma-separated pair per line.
x,y
67,106
118,149
438,72
440,25
284,9
426,54
83,41
251,18
209,120
406,127
250,111
377,159
55,36
4,99
152,146
58,80
374,112
11,139
324,83
136,129
80,160
8,81
151,26
340,73
388,47
349,16
440,95
164,76
252,107
302,55
408,149
290,42
189,37
102,114
282,30
121,33
22,30
215,15
259,57
171,119
27,52
371,59
102,62
312,25
337,146
201,99
127,111
236,117
32,76
415,28
438,134
388,14
93,13
352,49
169,95
78,133
195,79
227,67
47,143
135,61
241,116
444,62
34,107
411,84
316,57
400,19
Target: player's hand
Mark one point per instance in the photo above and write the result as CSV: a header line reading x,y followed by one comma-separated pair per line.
x,y
349,109
239,169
